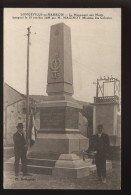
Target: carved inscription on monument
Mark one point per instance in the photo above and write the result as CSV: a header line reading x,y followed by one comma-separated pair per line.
x,y
71,118
52,118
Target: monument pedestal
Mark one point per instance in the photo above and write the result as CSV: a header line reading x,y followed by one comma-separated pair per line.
x,y
71,165
59,143
59,131
59,138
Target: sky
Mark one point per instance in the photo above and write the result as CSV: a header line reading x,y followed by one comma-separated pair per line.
x,y
96,47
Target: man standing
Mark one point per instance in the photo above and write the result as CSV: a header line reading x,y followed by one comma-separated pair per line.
x,y
100,146
20,149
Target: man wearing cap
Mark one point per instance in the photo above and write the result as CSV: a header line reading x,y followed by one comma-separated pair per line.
x,y
100,145
20,149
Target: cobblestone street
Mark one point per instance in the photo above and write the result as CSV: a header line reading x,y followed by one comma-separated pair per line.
x,y
36,181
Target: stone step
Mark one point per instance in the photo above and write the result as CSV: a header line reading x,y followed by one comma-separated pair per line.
x,y
41,162
48,156
9,166
47,169
39,169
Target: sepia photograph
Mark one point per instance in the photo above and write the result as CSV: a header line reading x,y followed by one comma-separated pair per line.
x,y
62,98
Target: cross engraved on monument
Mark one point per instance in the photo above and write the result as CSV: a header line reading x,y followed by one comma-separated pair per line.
x,y
55,66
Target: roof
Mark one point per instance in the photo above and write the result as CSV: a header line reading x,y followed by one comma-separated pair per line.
x,y
5,84
11,95
84,103
38,98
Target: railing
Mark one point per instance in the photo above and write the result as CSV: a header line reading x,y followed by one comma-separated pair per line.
x,y
106,99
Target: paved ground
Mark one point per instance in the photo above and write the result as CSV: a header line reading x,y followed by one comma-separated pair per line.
x,y
36,181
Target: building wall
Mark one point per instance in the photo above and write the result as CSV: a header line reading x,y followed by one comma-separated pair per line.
x,y
107,115
15,115
104,114
14,112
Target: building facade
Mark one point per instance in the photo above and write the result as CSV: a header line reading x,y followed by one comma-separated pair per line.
x,y
14,112
106,112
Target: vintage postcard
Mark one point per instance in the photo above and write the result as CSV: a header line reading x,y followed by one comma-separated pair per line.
x,y
62,98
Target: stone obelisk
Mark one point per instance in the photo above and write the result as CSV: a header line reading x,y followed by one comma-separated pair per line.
x,y
60,77
59,137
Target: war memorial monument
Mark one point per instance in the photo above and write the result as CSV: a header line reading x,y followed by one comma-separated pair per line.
x,y
59,136
59,142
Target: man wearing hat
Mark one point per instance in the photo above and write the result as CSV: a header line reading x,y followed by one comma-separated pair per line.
x,y
20,149
100,145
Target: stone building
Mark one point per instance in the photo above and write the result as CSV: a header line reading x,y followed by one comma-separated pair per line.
x,y
106,112
14,112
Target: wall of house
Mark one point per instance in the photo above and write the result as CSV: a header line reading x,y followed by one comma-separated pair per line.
x,y
106,114
15,115
14,112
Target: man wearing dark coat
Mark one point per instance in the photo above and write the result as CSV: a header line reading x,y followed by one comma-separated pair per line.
x,y
20,149
100,145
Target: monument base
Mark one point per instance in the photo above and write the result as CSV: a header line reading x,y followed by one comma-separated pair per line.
x,y
58,143
59,140
59,133
67,166
72,166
